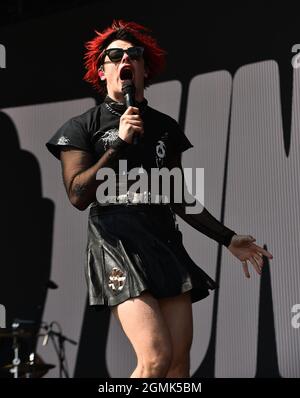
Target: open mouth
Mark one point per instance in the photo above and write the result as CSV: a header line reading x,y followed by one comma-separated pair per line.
x,y
126,73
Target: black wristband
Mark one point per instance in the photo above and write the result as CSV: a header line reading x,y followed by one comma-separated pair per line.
x,y
227,240
119,144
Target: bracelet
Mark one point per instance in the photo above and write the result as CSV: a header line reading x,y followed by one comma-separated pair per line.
x,y
119,144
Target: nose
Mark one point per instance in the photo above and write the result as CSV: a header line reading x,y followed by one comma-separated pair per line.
x,y
125,58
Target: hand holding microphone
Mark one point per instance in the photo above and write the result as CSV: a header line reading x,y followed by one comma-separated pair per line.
x,y
130,120
131,124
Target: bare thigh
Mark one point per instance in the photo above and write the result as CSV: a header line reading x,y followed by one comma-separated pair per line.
x,y
144,325
177,312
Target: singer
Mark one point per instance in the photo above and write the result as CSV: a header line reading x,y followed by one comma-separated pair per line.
x,y
136,262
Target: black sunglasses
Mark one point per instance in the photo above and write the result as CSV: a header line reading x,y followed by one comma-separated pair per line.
x,y
116,54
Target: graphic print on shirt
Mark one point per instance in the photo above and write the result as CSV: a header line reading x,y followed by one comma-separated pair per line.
x,y
161,150
63,140
109,137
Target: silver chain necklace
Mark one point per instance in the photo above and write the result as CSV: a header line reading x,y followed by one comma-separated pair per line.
x,y
112,110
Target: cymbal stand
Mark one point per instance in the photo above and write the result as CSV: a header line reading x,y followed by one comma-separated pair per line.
x,y
16,360
28,375
60,347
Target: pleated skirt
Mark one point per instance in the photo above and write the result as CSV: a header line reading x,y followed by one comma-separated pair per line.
x,y
137,248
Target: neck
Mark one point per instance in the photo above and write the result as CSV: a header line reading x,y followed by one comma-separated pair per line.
x,y
118,97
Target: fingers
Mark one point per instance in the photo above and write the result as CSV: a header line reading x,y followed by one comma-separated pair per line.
x,y
134,123
255,265
262,251
255,256
259,260
131,110
259,249
256,261
130,124
133,119
245,269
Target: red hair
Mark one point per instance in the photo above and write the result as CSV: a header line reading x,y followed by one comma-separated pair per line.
x,y
154,56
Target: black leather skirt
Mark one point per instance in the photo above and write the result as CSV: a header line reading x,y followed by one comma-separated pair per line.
x,y
136,248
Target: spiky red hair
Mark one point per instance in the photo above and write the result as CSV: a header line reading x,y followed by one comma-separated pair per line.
x,y
154,56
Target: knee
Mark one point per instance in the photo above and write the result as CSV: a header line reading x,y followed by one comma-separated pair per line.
x,y
179,367
157,364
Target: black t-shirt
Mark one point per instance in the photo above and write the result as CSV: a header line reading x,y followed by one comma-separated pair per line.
x,y
96,129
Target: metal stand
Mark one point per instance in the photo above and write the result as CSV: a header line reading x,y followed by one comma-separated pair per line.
x,y
58,341
16,361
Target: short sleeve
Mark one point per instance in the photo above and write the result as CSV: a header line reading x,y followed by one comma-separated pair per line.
x,y
179,140
72,133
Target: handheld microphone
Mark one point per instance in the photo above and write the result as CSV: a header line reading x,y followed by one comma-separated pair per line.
x,y
128,90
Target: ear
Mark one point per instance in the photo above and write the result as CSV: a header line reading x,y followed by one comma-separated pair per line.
x,y
101,74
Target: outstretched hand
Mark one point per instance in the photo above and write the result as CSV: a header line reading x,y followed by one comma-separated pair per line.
x,y
244,249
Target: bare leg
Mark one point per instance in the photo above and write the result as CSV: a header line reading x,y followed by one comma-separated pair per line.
x,y
144,325
177,312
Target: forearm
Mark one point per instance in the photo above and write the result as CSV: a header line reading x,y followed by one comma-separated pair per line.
x,y
206,223
83,187
196,215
